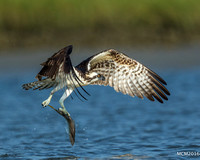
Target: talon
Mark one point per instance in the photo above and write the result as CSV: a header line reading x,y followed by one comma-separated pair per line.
x,y
64,111
46,103
43,106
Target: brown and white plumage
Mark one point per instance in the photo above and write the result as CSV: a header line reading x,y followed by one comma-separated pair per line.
x,y
108,68
125,75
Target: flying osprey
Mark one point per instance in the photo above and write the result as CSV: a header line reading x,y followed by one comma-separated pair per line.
x,y
108,67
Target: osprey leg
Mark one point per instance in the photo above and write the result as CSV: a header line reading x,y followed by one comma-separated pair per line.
x,y
48,100
62,99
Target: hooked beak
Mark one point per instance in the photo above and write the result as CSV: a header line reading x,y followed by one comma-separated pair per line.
x,y
102,78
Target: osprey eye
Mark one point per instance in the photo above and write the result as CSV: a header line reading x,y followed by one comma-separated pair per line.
x,y
98,75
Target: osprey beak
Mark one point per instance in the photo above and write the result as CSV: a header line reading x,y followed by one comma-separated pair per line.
x,y
102,78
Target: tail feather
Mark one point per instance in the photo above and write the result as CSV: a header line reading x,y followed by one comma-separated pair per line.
x,y
43,84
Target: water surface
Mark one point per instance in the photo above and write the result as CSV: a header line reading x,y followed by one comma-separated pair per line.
x,y
109,125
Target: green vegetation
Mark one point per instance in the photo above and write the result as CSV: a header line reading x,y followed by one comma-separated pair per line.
x,y
38,22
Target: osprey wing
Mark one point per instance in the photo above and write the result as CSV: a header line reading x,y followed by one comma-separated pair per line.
x,y
59,63
57,71
59,68
128,76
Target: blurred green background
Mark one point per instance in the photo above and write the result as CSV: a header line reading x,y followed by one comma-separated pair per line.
x,y
41,23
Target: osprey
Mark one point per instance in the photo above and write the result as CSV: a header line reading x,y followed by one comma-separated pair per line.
x,y
108,68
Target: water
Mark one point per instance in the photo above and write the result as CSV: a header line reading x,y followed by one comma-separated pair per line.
x,y
109,125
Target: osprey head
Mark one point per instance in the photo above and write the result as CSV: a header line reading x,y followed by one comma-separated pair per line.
x,y
100,77
96,77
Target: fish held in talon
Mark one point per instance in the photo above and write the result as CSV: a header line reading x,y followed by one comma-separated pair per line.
x,y
70,121
71,126
72,132
107,68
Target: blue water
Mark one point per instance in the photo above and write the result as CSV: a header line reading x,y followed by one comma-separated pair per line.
x,y
109,125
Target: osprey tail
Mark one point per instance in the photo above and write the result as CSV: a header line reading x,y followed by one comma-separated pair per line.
x,y
43,84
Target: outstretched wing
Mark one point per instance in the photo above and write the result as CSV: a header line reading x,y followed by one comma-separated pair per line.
x,y
58,68
54,71
126,75
58,64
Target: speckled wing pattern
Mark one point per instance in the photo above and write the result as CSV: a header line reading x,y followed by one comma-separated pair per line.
x,y
128,76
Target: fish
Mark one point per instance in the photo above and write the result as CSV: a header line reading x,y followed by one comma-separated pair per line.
x,y
71,124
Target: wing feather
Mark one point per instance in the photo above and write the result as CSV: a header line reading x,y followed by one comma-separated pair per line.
x,y
57,65
57,71
130,89
127,76
135,89
116,80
